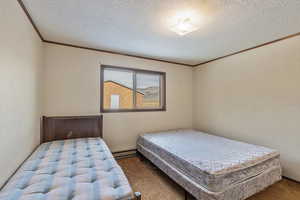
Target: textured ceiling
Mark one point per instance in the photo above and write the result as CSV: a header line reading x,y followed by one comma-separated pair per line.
x,y
141,27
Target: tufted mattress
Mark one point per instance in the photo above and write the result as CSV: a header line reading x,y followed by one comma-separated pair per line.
x,y
214,164
78,169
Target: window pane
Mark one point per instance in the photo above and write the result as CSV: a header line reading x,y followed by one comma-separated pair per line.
x,y
148,90
118,89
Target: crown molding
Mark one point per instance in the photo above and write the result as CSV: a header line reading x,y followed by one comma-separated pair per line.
x,y
251,48
116,53
30,19
89,48
144,57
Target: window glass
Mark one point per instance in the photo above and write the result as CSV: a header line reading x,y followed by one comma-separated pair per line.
x,y
148,94
118,89
126,89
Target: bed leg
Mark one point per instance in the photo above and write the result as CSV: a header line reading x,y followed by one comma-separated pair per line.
x,y
188,196
140,156
138,196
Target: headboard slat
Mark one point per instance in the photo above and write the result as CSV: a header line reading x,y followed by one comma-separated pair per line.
x,y
68,127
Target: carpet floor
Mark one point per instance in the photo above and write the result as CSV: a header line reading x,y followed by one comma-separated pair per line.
x,y
155,185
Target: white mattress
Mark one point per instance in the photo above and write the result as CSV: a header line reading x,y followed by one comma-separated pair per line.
x,y
78,169
216,163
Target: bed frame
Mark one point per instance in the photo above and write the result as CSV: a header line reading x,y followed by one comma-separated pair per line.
x,y
70,127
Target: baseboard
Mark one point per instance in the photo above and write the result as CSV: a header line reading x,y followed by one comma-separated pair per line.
x,y
124,154
124,151
290,179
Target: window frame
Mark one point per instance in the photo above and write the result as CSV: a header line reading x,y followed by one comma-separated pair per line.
x,y
135,71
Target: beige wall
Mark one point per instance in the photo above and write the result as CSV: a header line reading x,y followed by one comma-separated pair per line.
x,y
72,87
254,97
20,56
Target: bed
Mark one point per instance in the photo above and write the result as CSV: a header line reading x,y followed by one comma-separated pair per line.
x,y
72,162
211,167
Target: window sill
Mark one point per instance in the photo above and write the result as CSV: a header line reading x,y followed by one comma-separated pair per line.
x,y
134,110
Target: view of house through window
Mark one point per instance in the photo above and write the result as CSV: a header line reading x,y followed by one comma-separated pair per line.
x,y
126,89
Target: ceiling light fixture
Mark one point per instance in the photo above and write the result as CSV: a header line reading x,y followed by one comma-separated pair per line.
x,y
184,26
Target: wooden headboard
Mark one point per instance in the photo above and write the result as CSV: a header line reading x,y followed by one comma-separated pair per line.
x,y
60,128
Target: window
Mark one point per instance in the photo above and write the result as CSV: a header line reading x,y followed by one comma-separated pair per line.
x,y
129,90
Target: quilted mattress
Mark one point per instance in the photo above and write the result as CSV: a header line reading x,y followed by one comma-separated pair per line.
x,y
78,169
215,163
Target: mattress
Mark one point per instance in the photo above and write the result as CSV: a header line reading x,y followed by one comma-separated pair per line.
x,y
78,169
215,163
